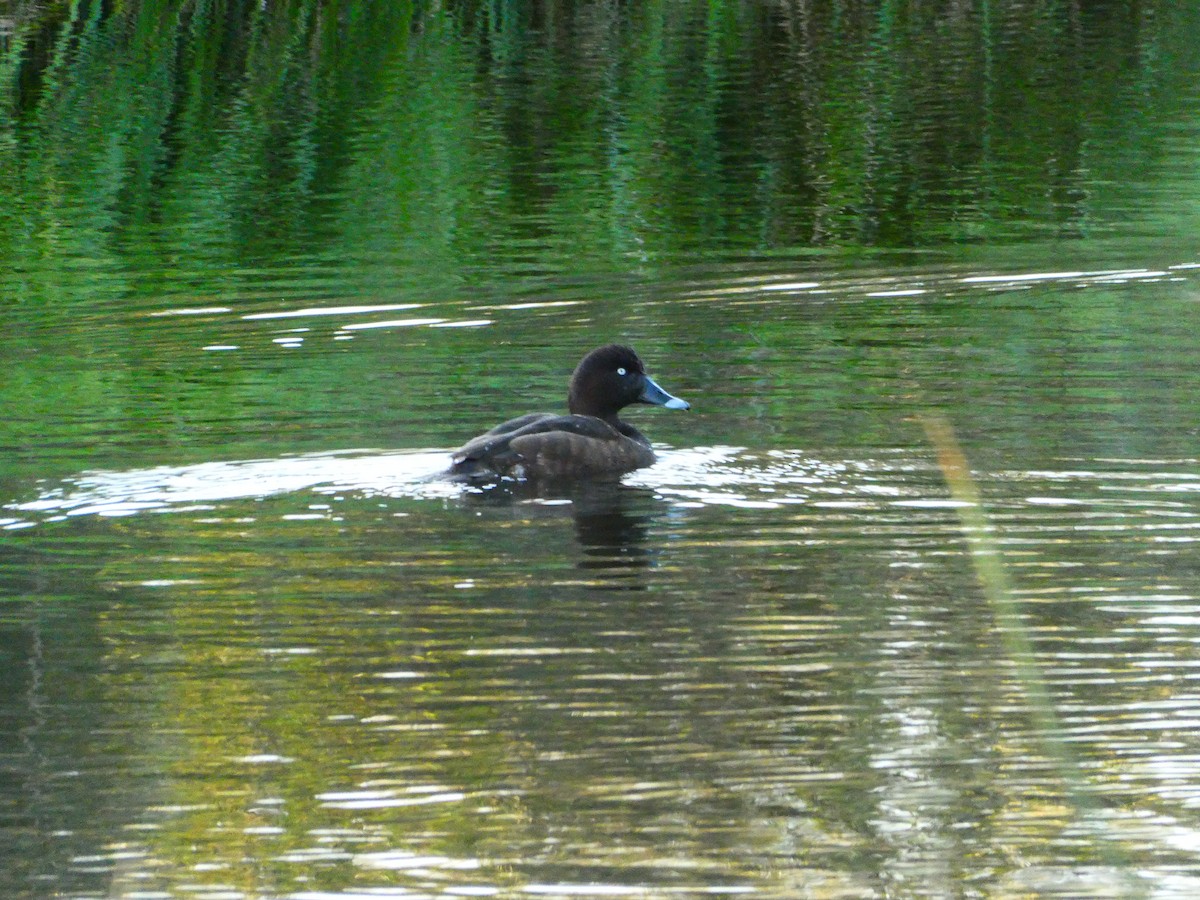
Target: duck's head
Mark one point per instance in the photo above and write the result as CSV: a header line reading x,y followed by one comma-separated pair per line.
x,y
609,379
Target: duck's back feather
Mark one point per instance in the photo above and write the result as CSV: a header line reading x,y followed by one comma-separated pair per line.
x,y
549,446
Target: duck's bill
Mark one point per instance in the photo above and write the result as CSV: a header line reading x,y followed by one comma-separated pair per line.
x,y
652,393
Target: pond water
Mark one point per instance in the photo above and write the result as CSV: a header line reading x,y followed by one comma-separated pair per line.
x,y
264,268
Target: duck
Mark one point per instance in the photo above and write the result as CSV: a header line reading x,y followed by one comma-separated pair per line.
x,y
590,442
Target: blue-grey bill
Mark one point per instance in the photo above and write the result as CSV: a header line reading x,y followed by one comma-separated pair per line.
x,y
652,393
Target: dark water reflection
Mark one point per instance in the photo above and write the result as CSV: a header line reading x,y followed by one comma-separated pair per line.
x,y
611,524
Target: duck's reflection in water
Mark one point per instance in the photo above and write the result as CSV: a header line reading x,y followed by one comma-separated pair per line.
x,y
612,527
612,524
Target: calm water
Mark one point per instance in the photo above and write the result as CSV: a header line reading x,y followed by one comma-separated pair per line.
x,y
264,268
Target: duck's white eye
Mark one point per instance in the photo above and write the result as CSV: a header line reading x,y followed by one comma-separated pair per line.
x,y
620,371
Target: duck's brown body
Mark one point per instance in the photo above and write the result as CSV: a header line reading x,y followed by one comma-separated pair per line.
x,y
591,442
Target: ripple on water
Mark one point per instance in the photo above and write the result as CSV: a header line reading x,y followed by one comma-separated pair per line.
x,y
831,646
730,476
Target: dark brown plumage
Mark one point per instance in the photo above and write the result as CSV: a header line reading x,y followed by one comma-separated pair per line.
x,y
590,442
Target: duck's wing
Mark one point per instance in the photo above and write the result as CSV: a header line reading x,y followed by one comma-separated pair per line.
x,y
508,444
515,425
582,448
487,454
486,443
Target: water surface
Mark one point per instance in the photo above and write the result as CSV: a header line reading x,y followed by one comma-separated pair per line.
x,y
263,268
